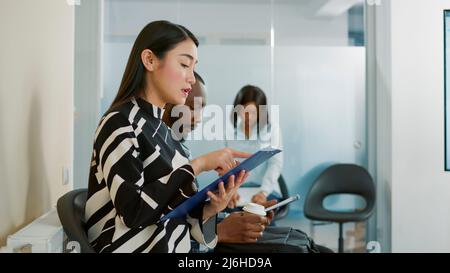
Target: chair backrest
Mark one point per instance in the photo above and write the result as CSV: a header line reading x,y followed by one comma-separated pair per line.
x,y
70,209
284,210
340,179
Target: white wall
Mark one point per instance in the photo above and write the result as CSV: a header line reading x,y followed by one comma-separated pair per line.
x,y
36,108
420,189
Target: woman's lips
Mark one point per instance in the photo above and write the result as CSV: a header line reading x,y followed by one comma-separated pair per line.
x,y
186,91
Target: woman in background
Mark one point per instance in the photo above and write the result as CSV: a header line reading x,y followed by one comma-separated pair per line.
x,y
252,132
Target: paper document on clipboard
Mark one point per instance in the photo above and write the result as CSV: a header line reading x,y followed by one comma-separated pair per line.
x,y
248,164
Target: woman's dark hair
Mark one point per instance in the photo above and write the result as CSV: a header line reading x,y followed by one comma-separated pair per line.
x,y
252,94
158,36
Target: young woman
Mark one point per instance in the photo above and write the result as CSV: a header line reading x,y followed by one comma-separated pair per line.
x,y
252,131
138,171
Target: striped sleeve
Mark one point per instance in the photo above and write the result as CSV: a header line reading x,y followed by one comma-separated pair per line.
x,y
137,202
203,232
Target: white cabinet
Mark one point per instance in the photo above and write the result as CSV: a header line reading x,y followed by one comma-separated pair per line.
x,y
43,235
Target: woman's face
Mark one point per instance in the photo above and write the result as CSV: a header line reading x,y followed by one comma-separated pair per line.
x,y
173,76
250,114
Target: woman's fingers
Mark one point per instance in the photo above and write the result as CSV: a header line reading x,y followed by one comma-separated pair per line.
x,y
239,154
242,177
234,162
233,184
232,204
222,191
228,164
234,200
212,196
225,196
245,177
230,185
220,171
223,159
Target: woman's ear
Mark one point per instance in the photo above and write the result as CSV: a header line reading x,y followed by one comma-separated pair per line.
x,y
149,59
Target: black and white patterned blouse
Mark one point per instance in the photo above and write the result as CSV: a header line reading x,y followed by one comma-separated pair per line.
x,y
139,173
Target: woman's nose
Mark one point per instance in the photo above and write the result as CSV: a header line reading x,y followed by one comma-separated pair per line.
x,y
191,78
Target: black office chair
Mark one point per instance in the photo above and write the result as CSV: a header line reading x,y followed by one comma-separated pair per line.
x,y
340,179
70,209
284,210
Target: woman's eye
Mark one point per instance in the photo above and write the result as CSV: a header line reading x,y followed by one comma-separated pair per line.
x,y
185,65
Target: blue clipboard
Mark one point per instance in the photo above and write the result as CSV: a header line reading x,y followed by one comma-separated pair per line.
x,y
249,164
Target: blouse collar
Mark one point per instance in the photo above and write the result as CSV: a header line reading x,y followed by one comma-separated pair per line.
x,y
153,110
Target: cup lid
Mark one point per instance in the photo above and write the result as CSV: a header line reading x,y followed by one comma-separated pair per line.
x,y
255,209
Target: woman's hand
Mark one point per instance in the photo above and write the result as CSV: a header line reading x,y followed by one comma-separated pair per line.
x,y
259,198
221,161
234,201
220,200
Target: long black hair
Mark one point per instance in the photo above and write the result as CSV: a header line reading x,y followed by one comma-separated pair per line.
x,y
158,36
249,94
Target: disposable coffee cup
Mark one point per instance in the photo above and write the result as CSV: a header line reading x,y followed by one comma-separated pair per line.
x,y
255,209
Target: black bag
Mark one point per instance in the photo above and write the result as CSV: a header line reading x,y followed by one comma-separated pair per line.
x,y
273,240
